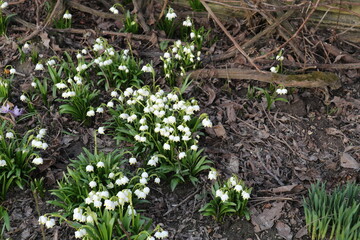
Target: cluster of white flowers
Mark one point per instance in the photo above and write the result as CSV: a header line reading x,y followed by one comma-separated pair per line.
x,y
170,114
239,188
161,234
37,141
114,10
223,195
170,15
81,233
99,45
48,222
281,91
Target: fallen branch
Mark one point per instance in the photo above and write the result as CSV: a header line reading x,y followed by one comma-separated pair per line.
x,y
310,80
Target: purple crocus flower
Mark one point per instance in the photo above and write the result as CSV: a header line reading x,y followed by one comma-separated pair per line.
x,y
5,109
17,111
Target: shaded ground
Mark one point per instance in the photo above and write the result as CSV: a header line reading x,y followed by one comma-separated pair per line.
x,y
279,152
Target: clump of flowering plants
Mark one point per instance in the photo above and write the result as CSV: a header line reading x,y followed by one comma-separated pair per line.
x,y
18,156
229,198
98,197
117,69
161,127
178,59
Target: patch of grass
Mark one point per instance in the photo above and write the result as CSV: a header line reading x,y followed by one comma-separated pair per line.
x,y
333,215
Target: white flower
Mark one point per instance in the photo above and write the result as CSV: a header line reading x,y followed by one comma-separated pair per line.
x,y
37,161
206,122
100,110
51,62
143,128
182,155
219,193
132,161
23,98
9,135
111,175
97,204
100,165
192,35
110,104
144,175
2,163
194,147
187,118
90,113
273,70
4,5
281,91
67,15
187,22
39,67
212,174
166,146
146,190
157,180
12,71
33,84
60,85
50,223
224,197
238,188
245,195
84,51
171,14
167,55
114,94
89,168
42,220
101,130
109,205
92,184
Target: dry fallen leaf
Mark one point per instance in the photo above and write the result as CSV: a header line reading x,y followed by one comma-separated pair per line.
x,y
347,161
282,189
284,230
265,220
45,39
220,131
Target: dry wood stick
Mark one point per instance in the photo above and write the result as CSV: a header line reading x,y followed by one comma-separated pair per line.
x,y
140,16
208,9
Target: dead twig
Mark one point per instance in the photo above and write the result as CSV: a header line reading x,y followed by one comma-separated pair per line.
x,y
267,169
208,9
182,202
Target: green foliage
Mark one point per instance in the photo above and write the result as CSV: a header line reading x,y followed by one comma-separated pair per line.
x,y
4,89
4,21
196,5
333,215
130,24
228,199
4,221
16,153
